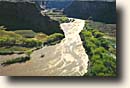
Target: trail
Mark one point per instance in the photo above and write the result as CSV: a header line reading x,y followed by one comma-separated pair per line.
x,y
67,58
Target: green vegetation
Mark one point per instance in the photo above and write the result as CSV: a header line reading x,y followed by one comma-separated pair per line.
x,y
54,39
7,34
26,33
31,43
29,52
13,50
16,60
64,19
9,39
22,41
41,36
101,52
109,29
6,52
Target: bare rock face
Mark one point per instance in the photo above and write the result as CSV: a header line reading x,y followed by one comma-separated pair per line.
x,y
25,15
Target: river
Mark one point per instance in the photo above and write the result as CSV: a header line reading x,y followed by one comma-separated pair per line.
x,y
68,58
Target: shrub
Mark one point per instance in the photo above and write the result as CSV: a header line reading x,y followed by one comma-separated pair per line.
x,y
98,34
16,60
29,52
95,41
6,52
41,36
9,38
96,68
31,43
53,39
100,51
9,34
95,57
6,41
64,19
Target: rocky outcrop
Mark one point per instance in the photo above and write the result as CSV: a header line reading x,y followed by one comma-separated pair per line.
x,y
102,11
25,15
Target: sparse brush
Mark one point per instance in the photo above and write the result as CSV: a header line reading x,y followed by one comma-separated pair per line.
x,y
16,60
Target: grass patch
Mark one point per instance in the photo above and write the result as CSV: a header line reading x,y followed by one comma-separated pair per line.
x,y
41,36
26,33
25,41
16,60
64,19
6,52
53,39
13,50
29,52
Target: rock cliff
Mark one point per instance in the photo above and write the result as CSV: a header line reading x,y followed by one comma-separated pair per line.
x,y
25,15
102,11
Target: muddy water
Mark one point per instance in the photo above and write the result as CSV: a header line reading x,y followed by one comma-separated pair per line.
x,y
67,58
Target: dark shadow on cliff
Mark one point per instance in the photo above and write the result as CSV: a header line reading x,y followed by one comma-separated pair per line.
x,y
100,11
26,16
